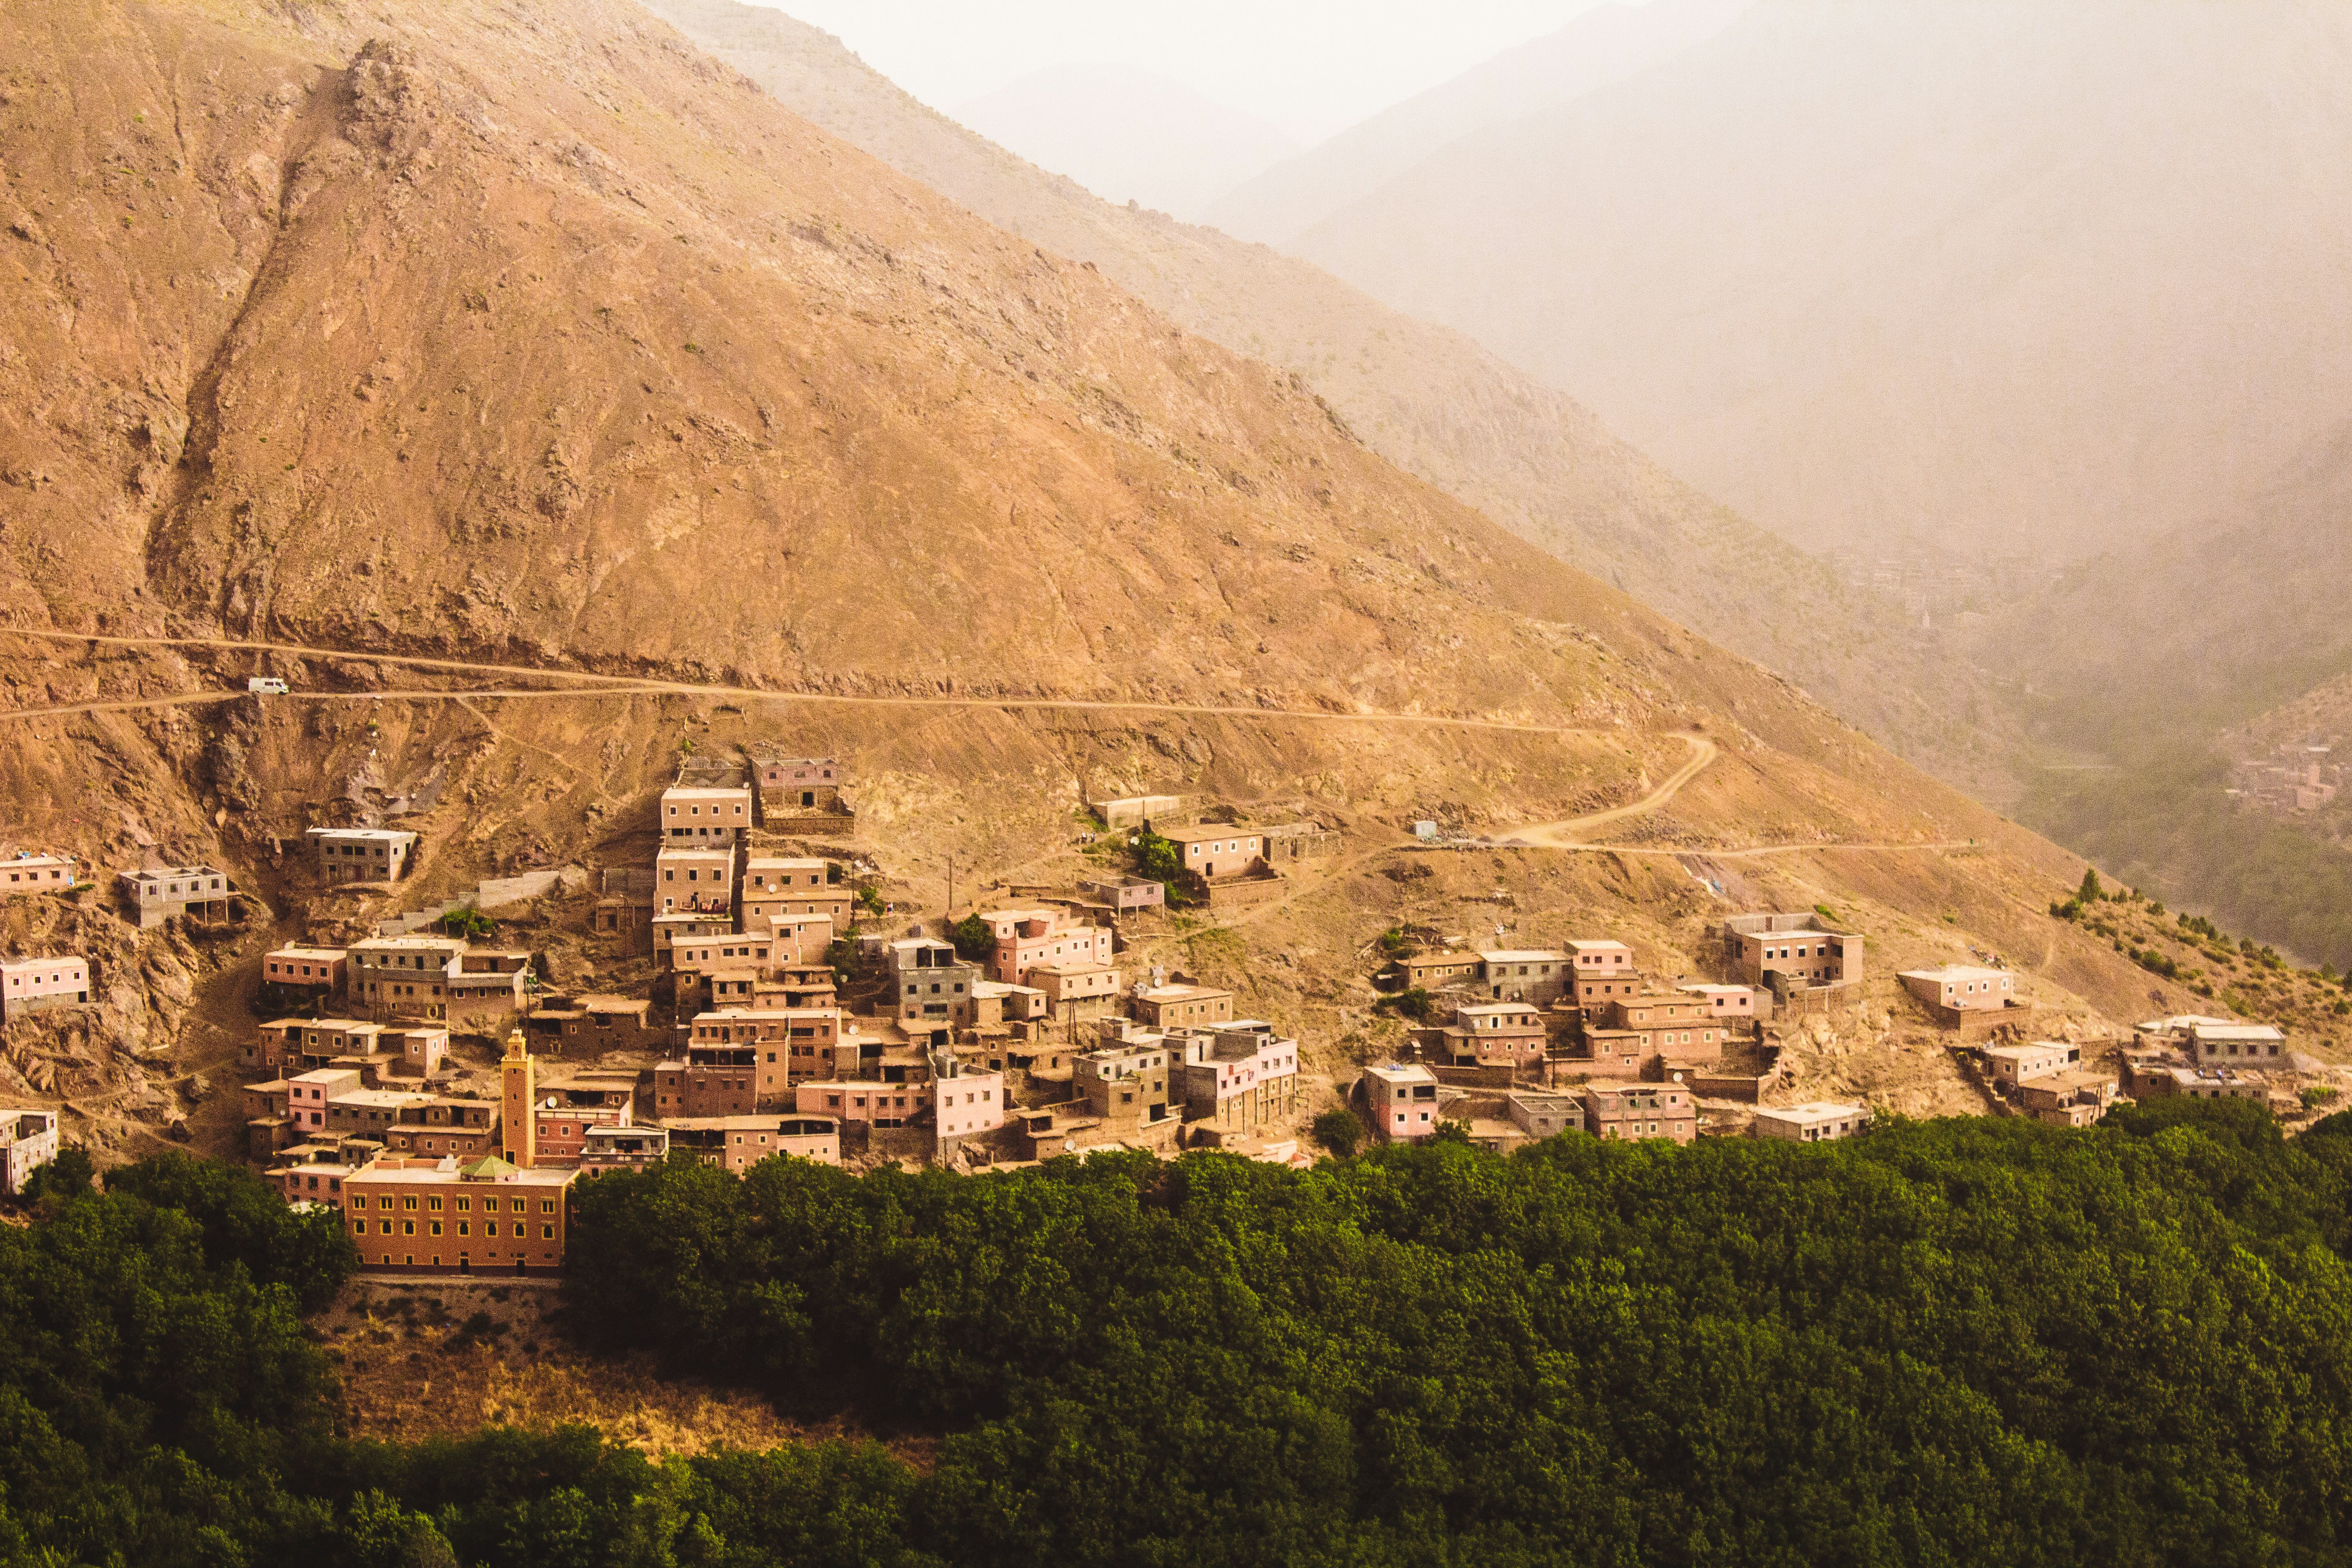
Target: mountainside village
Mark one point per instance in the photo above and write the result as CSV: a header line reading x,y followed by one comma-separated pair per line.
x,y
434,1088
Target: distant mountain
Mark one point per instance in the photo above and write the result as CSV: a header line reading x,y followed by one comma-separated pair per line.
x,y
1426,398
1601,45
2046,279
1129,136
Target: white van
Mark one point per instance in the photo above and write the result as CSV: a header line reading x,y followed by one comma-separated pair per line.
x,y
267,685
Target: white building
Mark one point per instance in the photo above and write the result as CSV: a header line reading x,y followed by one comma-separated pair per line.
x,y
1816,1122
29,1141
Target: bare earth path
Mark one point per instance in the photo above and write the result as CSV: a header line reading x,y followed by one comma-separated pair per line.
x,y
1565,835
594,685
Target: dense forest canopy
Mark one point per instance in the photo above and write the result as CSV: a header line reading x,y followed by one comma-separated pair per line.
x,y
1965,1341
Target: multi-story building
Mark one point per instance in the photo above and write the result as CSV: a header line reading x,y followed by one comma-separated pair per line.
x,y
695,879
1181,1006
1793,946
676,926
1815,1121
712,1081
790,1044
29,985
630,1148
2016,1065
567,1112
363,854
1539,975
704,815
29,1141
1602,959
2075,1098
1077,989
1679,1028
444,1124
369,1112
736,1144
1401,1103
1212,852
449,1216
404,975
299,1044
296,977
969,1102
1510,1035
1126,1082
1241,1075
156,894
1026,937
2223,1042
1622,1110
309,1094
932,987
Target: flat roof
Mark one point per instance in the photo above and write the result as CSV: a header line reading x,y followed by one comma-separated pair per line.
x,y
1954,972
1597,946
1811,1110
802,861
386,833
455,942
37,963
391,1168
304,952
157,873
1521,955
739,1123
2210,1031
1396,1070
1182,993
1705,990
1212,830
2029,1049
1069,966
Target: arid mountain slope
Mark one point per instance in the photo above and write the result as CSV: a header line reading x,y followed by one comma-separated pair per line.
x,y
530,337
1426,398
1606,44
2048,279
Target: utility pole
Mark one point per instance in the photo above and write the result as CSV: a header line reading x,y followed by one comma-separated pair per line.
x,y
950,887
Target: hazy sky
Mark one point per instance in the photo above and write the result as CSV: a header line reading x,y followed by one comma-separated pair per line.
x,y
1312,67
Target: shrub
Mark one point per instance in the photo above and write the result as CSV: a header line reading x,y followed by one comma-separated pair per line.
x,y
1339,1131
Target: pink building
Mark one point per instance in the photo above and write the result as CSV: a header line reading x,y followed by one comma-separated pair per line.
x,y
290,974
801,782
1401,1102
30,985
970,1102
309,1096
1025,937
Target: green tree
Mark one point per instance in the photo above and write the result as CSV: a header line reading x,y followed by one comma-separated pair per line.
x,y
974,939
2090,892
1338,1132
67,1176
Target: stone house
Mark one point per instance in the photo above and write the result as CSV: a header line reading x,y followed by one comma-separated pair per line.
x,y
29,1141
1794,946
1631,1110
1025,937
736,1144
2014,1065
363,854
1539,975
296,977
1181,1006
1238,1076
1960,987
